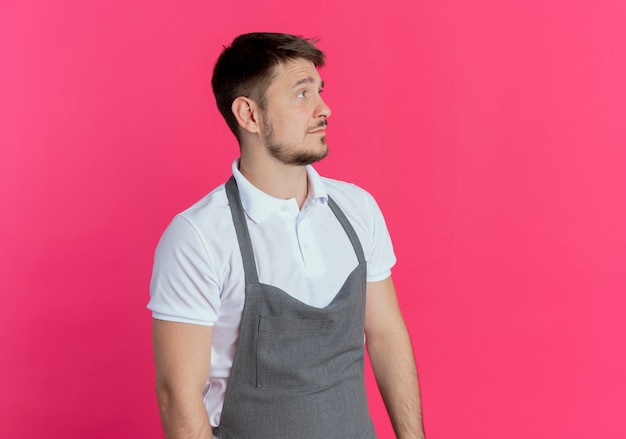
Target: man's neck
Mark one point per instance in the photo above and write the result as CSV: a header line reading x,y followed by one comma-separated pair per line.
x,y
276,179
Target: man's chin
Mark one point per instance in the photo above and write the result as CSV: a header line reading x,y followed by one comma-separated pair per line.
x,y
323,153
310,158
300,158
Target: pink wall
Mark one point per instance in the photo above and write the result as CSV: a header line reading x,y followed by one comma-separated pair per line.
x,y
491,132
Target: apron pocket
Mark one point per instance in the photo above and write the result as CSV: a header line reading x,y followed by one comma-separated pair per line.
x,y
293,353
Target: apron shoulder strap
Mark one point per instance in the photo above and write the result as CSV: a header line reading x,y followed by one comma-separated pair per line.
x,y
243,235
345,223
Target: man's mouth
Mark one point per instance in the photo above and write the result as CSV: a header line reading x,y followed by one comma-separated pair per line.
x,y
320,128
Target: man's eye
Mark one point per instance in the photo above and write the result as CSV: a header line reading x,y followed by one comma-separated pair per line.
x,y
302,94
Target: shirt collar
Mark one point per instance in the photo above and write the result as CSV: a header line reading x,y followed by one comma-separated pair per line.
x,y
259,205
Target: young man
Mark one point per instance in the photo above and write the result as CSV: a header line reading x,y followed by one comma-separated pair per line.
x,y
262,291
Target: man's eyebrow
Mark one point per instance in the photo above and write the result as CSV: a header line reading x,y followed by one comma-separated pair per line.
x,y
307,80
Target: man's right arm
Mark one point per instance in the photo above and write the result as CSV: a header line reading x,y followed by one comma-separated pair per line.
x,y
182,355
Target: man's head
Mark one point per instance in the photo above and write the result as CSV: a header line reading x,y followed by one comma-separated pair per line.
x,y
247,66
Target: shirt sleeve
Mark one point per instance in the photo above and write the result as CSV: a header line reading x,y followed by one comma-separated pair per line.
x,y
183,287
381,257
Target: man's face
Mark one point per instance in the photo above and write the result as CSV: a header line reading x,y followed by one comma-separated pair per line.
x,y
294,118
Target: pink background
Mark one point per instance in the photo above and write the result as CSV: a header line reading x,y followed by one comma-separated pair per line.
x,y
491,132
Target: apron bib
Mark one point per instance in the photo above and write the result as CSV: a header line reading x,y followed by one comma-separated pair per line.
x,y
298,369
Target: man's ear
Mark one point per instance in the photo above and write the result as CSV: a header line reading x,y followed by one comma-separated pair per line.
x,y
245,111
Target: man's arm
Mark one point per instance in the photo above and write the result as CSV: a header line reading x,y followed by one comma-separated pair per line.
x,y
391,355
182,354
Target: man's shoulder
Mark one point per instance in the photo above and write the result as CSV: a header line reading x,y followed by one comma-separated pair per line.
x,y
216,199
351,198
206,213
340,187
206,222
339,190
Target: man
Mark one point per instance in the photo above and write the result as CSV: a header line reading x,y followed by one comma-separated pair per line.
x,y
263,290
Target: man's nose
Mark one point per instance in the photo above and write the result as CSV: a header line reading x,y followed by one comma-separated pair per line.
x,y
322,109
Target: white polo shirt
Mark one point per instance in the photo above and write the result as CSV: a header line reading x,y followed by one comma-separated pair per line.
x,y
198,273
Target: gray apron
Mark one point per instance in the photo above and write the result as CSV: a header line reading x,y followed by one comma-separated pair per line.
x,y
298,369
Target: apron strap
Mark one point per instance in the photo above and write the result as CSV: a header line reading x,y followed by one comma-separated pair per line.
x,y
345,223
243,235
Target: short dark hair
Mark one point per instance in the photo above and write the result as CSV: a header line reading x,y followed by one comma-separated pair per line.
x,y
246,67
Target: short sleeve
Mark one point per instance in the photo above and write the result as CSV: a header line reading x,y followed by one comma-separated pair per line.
x,y
184,285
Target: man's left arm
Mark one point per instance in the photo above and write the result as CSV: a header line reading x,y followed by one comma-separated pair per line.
x,y
389,348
